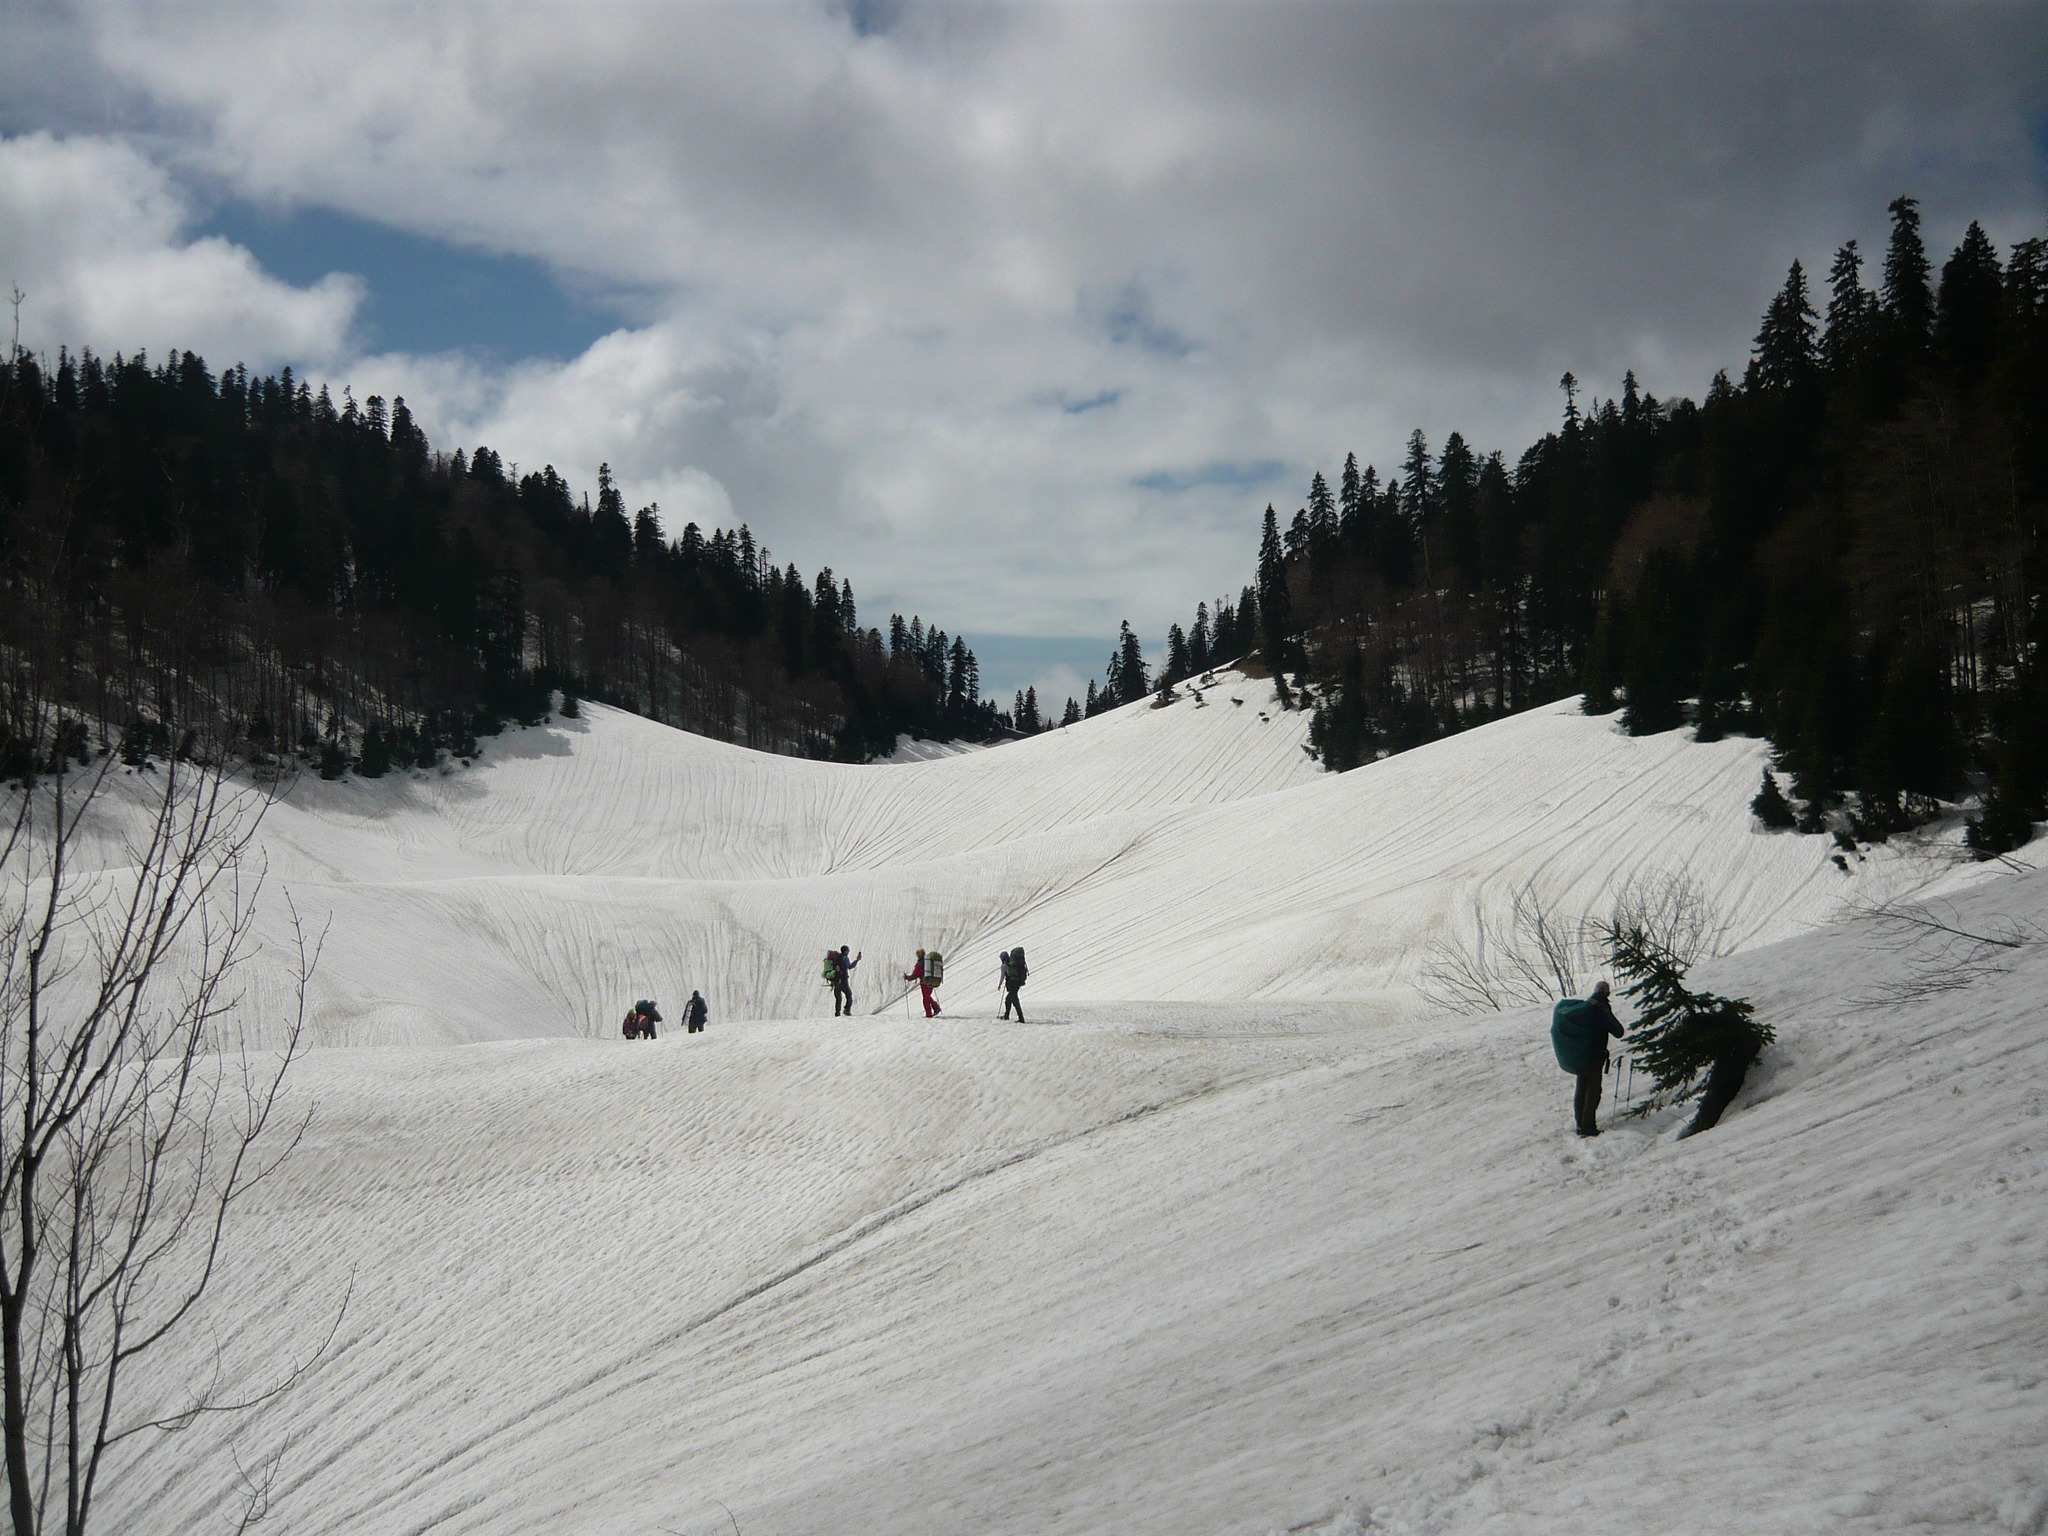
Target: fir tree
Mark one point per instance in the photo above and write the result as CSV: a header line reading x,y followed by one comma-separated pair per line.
x,y
1348,487
1908,298
1681,1036
1845,346
1787,354
1966,308
1418,484
1179,661
1272,602
1128,676
1771,807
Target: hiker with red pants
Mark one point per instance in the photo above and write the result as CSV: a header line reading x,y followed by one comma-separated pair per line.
x,y
928,973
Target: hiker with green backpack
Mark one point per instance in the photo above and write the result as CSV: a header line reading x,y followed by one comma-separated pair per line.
x,y
839,977
929,971
1579,1032
1014,974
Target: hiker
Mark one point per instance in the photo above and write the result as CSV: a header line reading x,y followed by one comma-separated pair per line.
x,y
641,1019
694,1014
839,972
1014,973
929,971
1579,1032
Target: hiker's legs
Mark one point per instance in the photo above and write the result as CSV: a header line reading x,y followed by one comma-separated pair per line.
x,y
1586,1101
1012,1000
931,1004
842,997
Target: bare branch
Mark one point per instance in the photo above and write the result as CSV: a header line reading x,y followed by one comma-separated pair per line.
x,y
1940,955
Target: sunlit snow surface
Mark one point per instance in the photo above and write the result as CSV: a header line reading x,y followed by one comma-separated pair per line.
x,y
1294,1256
1193,852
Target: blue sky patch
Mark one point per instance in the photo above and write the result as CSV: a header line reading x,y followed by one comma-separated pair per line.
x,y
1131,323
425,295
1236,476
1102,401
1012,662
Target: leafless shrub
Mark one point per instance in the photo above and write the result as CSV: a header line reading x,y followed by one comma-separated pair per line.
x,y
131,1124
1939,953
1532,952
1672,912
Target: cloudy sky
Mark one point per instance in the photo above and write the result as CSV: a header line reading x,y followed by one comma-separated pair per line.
x,y
1016,315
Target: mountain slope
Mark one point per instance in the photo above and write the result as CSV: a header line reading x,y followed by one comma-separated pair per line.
x,y
1187,852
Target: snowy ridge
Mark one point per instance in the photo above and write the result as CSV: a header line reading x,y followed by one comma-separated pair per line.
x,y
1192,851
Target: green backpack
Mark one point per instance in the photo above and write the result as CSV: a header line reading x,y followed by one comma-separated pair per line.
x,y
934,968
831,971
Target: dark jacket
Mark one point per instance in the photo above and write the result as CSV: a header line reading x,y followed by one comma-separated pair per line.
x,y
694,1014
1579,1032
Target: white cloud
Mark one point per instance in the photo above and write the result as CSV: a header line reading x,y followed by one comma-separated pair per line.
x,y
880,272
93,234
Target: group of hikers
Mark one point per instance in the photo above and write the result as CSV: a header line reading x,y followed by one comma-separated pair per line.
x,y
643,1016
929,972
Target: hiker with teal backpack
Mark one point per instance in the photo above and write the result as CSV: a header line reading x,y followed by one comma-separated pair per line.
x,y
929,971
1579,1032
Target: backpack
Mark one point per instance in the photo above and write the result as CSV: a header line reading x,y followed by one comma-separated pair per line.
x,y
934,968
831,971
1017,968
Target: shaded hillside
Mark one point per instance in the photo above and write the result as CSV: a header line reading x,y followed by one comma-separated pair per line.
x,y
235,561
1842,550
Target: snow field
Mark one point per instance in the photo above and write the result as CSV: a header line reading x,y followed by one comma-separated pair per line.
x,y
1232,1237
1232,1268
1191,852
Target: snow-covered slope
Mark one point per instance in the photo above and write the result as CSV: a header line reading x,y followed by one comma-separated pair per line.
x,y
1192,852
1156,1270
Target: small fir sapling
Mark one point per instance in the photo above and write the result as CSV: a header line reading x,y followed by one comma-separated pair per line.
x,y
1693,1044
1772,808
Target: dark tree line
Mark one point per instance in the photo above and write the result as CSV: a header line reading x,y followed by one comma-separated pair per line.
x,y
1842,551
236,564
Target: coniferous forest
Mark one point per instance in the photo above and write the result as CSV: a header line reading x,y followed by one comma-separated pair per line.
x,y
1842,551
235,565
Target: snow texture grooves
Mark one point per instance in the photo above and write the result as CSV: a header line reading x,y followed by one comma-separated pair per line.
x,y
599,1386
1191,851
891,1275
